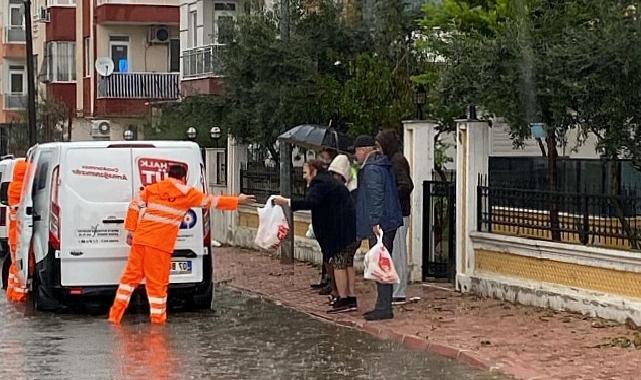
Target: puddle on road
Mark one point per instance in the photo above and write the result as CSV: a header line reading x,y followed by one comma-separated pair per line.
x,y
247,338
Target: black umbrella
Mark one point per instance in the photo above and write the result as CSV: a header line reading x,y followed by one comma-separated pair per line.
x,y
317,137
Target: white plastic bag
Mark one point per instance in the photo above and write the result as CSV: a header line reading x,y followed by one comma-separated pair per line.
x,y
272,226
310,233
379,265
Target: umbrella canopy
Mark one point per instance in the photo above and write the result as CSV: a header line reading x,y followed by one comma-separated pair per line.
x,y
316,137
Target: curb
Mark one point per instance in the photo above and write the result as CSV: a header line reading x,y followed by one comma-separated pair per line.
x,y
411,342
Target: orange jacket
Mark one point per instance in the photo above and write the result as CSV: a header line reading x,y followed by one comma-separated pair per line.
x,y
155,216
14,197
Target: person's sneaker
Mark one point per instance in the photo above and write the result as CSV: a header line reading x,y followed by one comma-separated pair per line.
x,y
379,315
342,305
332,300
399,301
327,290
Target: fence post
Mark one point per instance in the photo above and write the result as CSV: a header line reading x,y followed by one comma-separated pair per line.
x,y
585,233
418,147
285,155
472,160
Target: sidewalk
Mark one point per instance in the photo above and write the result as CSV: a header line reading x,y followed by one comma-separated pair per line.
x,y
525,342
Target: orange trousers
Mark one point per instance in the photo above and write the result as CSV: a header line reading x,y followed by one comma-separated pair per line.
x,y
154,266
15,291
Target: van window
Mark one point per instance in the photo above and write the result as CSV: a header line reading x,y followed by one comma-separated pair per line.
x,y
98,175
42,170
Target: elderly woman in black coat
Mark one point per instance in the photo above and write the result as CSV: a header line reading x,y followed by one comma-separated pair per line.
x,y
333,213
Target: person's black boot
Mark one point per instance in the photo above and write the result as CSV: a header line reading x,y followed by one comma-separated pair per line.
x,y
379,315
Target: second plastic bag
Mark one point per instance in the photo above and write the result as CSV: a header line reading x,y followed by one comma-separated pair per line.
x,y
379,265
272,226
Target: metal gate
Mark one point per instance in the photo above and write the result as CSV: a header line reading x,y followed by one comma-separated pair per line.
x,y
439,235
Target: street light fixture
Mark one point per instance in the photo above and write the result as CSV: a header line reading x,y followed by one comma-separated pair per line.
x,y
128,135
420,97
191,133
215,133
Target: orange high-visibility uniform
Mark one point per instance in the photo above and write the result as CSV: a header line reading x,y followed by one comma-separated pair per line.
x,y
15,291
154,218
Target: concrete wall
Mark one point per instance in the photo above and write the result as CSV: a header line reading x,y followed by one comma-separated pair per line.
x,y
595,281
81,129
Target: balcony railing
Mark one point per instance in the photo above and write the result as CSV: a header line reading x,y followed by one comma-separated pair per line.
x,y
163,86
14,34
203,61
15,102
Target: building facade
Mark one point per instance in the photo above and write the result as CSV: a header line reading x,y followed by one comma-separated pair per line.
x,y
137,46
13,77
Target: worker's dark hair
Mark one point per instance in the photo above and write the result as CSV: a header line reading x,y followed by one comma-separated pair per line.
x,y
317,165
177,172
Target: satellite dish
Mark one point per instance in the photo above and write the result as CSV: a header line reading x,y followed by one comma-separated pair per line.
x,y
104,66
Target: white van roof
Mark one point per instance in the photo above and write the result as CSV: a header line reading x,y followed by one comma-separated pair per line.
x,y
117,144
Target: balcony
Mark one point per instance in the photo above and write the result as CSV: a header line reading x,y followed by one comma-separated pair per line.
x,y
203,61
15,102
150,86
14,35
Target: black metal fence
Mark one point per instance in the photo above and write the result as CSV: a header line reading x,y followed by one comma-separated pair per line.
x,y
264,181
595,219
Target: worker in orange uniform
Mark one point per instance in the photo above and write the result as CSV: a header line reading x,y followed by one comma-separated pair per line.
x,y
15,291
154,232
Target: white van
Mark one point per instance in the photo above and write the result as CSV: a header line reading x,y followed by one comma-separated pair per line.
x,y
6,175
73,219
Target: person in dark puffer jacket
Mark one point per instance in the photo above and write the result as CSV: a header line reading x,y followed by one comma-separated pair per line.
x,y
377,209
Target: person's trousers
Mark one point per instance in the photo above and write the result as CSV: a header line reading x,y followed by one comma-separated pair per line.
x,y
16,292
400,259
384,291
154,266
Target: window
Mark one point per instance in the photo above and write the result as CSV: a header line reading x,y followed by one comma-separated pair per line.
x,y
16,80
224,22
16,16
193,24
62,2
174,55
88,58
119,46
61,61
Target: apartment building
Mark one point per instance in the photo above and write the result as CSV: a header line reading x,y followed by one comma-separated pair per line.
x,y
13,77
206,26
141,40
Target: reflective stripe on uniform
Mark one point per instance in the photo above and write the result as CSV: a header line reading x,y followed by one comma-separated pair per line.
x,y
167,209
157,300
19,290
160,219
123,297
126,288
156,311
208,199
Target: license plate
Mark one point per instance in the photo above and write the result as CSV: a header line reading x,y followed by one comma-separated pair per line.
x,y
180,267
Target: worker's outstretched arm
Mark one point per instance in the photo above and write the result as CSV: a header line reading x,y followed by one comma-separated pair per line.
x,y
221,202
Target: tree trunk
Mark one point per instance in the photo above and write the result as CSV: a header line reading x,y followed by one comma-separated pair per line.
x,y
553,201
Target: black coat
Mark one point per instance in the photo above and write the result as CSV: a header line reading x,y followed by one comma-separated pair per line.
x,y
333,213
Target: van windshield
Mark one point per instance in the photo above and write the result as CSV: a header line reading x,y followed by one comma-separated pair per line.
x,y
98,175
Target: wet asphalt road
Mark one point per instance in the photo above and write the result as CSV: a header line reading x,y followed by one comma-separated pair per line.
x,y
247,338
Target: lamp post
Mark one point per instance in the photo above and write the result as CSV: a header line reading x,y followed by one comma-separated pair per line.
x,y
191,133
420,95
215,135
128,135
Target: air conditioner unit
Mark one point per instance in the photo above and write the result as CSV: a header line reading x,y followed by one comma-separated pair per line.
x,y
158,35
101,129
44,14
